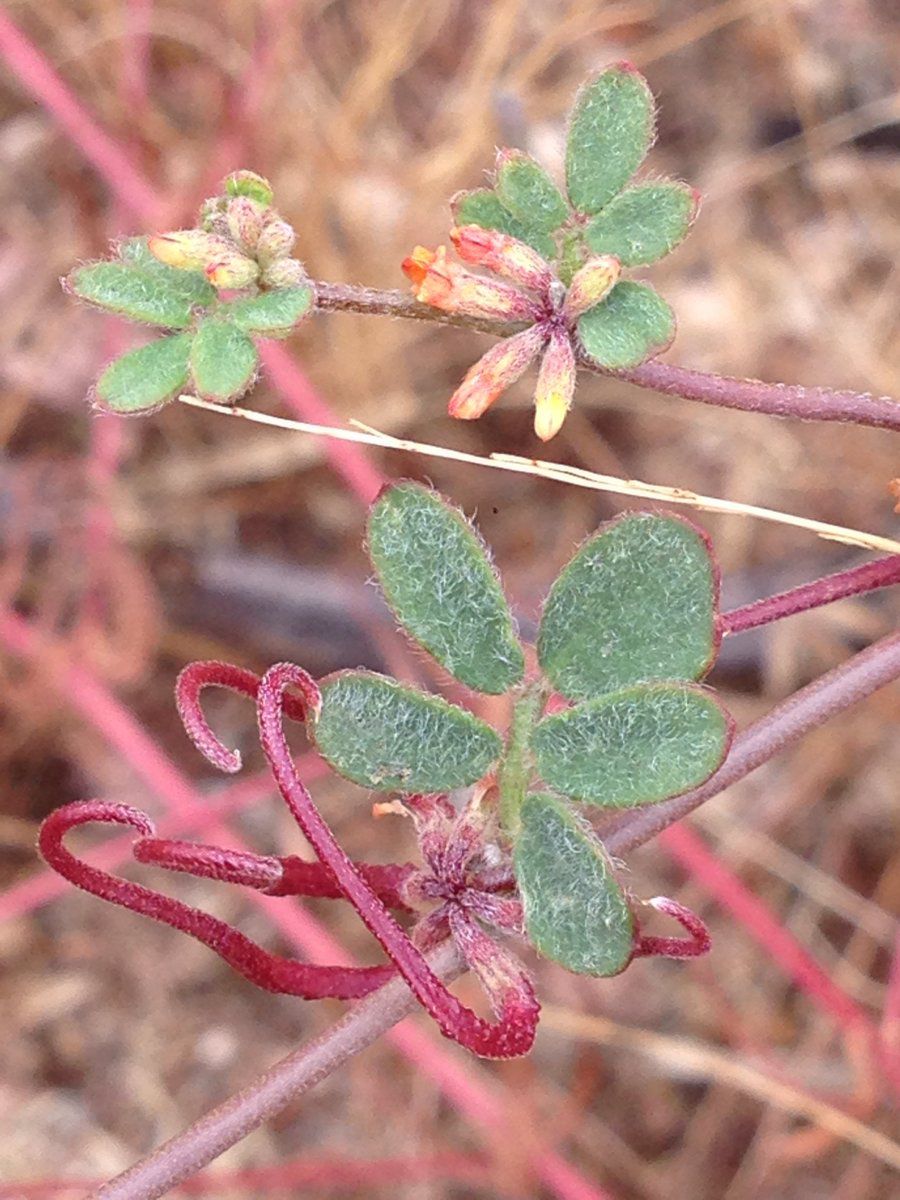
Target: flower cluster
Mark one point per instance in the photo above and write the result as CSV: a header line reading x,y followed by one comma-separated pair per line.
x,y
241,241
535,294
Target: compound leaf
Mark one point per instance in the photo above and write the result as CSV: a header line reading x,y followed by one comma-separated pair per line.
x,y
610,132
644,223
636,603
387,737
636,746
223,361
575,911
631,325
437,577
144,379
483,207
271,314
526,190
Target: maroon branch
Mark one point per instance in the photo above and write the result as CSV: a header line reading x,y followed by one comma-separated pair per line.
x,y
883,572
750,395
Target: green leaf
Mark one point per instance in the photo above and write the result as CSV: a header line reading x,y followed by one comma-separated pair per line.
x,y
270,314
145,379
636,603
483,207
384,736
631,325
192,285
633,747
526,190
610,132
438,579
644,223
223,361
131,292
575,911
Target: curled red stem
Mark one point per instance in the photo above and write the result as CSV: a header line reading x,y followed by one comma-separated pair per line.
x,y
268,971
513,1034
696,943
191,682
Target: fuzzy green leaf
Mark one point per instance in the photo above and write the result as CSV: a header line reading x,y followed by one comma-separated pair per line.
x,y
636,603
643,223
145,379
526,190
611,130
631,325
633,747
483,207
384,736
575,911
223,361
438,579
192,285
270,314
138,295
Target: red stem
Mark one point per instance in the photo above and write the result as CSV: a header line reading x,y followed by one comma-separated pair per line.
x,y
514,1033
267,971
883,572
773,399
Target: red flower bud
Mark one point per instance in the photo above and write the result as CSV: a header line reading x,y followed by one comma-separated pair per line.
x,y
496,251
495,372
444,284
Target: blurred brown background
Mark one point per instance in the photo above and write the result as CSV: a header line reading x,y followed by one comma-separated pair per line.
x,y
133,547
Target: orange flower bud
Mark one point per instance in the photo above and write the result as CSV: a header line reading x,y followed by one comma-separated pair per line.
x,y
495,372
188,249
496,251
555,386
591,283
444,284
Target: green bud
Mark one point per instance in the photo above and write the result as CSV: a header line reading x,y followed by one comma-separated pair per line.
x,y
245,222
285,272
276,241
248,183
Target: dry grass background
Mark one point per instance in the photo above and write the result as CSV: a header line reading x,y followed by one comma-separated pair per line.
x,y
241,543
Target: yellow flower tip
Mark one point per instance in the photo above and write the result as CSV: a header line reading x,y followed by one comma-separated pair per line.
x,y
549,415
177,249
232,271
592,283
555,387
434,279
